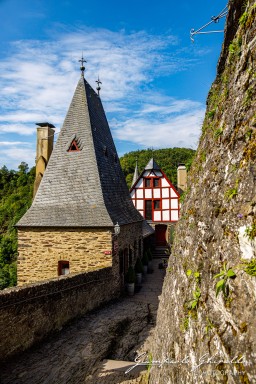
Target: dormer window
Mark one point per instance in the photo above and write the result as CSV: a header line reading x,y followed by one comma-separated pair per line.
x,y
74,147
147,183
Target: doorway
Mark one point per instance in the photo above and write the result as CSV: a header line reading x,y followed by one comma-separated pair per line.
x,y
160,233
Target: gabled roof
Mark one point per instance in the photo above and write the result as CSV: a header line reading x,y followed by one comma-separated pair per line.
x,y
83,188
153,166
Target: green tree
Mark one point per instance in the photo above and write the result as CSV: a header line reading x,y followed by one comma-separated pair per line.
x,y
16,190
168,159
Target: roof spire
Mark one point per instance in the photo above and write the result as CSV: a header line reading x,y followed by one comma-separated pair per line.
x,y
82,61
98,88
136,173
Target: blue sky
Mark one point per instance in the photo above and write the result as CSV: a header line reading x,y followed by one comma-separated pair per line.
x,y
154,79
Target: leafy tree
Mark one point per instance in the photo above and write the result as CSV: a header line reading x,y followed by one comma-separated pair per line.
x,y
16,190
168,159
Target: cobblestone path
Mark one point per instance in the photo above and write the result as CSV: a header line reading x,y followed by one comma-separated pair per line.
x,y
116,331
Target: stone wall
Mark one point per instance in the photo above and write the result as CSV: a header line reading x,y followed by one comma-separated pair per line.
x,y
28,314
130,247
206,319
40,250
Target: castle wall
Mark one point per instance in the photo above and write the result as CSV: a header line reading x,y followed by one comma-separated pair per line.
x,y
29,314
40,251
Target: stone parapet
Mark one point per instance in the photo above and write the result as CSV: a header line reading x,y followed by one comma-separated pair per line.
x,y
29,314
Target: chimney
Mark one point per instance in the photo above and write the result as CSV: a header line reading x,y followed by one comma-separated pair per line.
x,y
182,177
44,147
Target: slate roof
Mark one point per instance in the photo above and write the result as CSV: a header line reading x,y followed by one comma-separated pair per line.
x,y
152,165
84,188
147,230
136,174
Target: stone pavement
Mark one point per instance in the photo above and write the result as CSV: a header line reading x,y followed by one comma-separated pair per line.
x,y
117,331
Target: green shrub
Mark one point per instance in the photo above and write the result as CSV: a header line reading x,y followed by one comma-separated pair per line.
x,y
251,231
222,285
145,258
130,276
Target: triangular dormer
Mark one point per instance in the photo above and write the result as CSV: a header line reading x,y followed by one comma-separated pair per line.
x,y
74,146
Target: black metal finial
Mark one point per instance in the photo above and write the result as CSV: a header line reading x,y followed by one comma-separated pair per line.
x,y
98,88
82,61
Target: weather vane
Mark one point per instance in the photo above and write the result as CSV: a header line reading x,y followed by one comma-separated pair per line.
x,y
82,61
214,19
98,88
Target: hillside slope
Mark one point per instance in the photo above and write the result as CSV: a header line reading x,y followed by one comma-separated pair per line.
x,y
216,234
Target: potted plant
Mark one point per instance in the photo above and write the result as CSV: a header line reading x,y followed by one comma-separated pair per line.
x,y
150,258
130,280
145,262
139,271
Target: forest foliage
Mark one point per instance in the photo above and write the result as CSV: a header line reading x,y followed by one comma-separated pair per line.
x,y
16,191
168,160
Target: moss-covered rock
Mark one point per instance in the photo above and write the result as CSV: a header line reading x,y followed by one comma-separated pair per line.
x,y
213,236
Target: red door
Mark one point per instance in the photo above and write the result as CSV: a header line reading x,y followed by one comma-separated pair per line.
x,y
160,233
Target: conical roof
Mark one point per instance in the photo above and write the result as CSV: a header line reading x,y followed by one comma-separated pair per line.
x,y
152,165
136,174
84,186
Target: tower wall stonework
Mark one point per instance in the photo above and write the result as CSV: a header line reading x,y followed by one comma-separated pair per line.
x,y
40,250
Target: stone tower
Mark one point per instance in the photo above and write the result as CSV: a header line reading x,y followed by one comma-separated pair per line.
x,y
44,147
82,196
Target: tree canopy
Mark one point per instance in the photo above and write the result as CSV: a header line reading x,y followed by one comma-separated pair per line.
x,y
16,190
168,160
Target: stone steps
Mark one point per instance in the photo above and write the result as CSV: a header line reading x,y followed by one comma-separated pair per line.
x,y
161,252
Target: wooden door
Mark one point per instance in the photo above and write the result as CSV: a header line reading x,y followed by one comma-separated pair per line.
x,y
160,233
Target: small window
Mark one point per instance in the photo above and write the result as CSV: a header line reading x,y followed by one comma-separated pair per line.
x,y
156,204
148,209
147,183
63,267
74,146
156,183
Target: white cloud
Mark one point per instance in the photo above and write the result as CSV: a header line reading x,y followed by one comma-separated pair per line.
x,y
13,153
20,129
38,79
170,131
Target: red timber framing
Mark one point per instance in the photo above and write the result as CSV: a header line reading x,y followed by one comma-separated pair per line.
x,y
155,197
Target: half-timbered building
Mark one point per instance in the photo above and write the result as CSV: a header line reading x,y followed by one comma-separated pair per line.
x,y
156,199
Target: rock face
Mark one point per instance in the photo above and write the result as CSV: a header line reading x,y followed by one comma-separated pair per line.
x,y
209,338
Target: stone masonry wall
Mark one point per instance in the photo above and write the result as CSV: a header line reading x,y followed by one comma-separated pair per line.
x,y
41,249
28,314
127,241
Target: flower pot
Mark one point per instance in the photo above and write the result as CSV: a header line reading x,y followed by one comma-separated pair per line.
x,y
138,278
130,289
